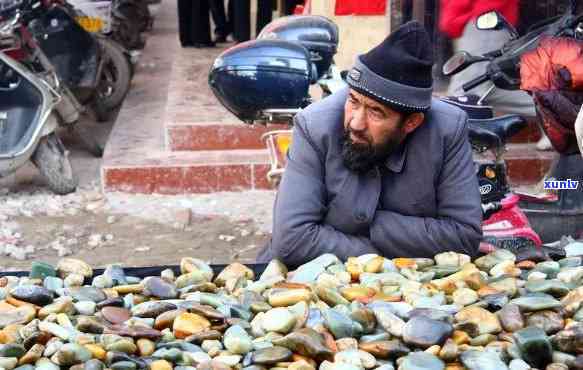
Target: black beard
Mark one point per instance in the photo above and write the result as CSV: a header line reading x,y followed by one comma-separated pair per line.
x,y
362,158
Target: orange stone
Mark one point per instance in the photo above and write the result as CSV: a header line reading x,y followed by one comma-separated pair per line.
x,y
526,265
297,358
354,268
187,324
286,285
329,340
454,366
475,281
6,306
161,365
460,337
166,319
405,263
357,292
18,303
484,291
97,351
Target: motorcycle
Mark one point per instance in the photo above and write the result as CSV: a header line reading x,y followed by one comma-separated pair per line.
x,y
554,215
93,74
102,17
27,127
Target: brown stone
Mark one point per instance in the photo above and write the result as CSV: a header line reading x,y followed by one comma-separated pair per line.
x,y
166,319
116,315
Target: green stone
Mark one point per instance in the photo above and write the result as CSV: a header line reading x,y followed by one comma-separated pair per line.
x,y
571,262
534,346
578,315
482,360
443,271
124,365
40,270
556,288
53,283
46,364
237,340
169,354
340,325
536,303
94,365
25,367
550,268
422,361
12,350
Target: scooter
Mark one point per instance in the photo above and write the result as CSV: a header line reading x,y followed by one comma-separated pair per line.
x,y
28,125
101,17
92,73
555,215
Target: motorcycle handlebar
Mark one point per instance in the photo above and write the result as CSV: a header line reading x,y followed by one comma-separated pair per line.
x,y
475,82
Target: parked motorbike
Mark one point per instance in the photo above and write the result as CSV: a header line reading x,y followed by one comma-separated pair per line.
x,y
92,72
560,214
101,17
27,127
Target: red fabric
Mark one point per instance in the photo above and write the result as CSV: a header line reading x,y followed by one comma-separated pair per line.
x,y
553,74
361,7
455,14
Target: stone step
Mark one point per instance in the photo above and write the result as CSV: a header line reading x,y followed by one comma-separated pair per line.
x,y
190,173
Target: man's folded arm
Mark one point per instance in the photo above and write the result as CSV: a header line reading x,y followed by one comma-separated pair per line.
x,y
299,234
457,226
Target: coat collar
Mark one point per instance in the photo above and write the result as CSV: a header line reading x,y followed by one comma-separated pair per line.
x,y
396,160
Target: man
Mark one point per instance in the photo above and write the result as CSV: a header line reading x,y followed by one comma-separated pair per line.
x,y
380,167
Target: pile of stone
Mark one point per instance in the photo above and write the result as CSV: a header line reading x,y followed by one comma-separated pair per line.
x,y
369,312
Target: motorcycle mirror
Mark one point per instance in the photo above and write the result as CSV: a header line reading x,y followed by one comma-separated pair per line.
x,y
489,21
495,21
458,62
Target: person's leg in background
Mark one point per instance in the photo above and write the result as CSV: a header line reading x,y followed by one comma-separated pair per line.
x,y
185,22
241,20
264,13
222,25
201,25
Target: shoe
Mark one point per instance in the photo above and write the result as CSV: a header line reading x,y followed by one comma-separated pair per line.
x,y
220,39
200,45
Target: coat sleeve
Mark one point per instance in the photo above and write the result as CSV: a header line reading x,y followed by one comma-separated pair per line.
x,y
457,226
299,232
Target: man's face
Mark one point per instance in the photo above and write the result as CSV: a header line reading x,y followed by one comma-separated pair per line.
x,y
372,131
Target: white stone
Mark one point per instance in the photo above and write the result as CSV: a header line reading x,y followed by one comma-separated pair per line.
x,y
85,308
279,320
229,360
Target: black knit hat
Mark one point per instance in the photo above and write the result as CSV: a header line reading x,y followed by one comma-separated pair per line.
x,y
397,72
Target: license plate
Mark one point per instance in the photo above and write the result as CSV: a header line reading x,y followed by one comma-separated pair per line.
x,y
91,24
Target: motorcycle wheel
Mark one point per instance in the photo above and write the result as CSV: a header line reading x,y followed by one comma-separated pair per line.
x,y
52,161
114,81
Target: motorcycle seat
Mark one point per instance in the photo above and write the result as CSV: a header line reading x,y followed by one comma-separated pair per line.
x,y
504,126
483,138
